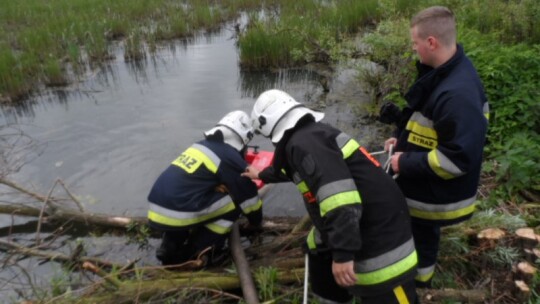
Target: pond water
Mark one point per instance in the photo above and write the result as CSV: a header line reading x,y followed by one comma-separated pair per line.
x,y
109,136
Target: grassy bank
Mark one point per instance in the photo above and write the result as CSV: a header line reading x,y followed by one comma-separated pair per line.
x,y
53,42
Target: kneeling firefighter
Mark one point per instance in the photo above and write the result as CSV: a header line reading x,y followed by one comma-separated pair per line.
x,y
196,200
361,243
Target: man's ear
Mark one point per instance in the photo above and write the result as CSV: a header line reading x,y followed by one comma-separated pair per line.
x,y
433,43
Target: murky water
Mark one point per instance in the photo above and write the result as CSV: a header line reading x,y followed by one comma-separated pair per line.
x,y
110,137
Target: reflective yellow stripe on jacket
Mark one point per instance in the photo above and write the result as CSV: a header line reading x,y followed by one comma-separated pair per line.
x,y
442,165
195,156
443,211
337,194
386,266
422,132
175,218
220,226
252,204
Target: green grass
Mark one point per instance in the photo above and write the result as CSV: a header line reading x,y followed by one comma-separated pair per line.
x,y
40,39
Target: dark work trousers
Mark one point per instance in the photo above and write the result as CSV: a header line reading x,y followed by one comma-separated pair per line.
x,y
322,279
324,285
426,240
180,245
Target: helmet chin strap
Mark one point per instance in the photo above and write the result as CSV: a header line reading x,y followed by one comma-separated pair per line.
x,y
282,116
236,133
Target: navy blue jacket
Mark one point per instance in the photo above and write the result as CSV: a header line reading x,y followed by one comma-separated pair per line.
x,y
442,137
185,193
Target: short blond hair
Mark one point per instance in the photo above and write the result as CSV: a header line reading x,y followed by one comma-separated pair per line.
x,y
436,21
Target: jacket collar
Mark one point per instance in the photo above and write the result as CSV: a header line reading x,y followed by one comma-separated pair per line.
x,y
429,78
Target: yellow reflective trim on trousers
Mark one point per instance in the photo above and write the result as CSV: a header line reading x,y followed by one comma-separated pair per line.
x,y
217,228
350,147
337,200
447,215
435,165
311,239
400,295
175,222
255,207
387,273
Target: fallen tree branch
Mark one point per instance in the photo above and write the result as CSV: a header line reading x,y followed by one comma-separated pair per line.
x,y
53,256
21,189
62,215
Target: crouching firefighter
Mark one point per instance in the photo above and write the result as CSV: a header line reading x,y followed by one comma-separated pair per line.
x,y
196,200
361,243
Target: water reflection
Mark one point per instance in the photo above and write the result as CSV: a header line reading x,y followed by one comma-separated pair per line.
x,y
252,84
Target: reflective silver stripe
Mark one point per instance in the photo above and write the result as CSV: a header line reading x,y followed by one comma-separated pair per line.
x,y
425,274
426,270
441,207
485,108
447,165
342,139
249,202
297,179
223,223
220,226
422,120
385,259
336,187
209,153
190,214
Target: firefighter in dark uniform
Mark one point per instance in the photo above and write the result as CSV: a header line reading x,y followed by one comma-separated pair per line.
x,y
440,135
196,200
361,243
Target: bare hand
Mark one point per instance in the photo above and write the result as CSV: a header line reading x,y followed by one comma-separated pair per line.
x,y
388,142
221,188
394,161
251,172
344,273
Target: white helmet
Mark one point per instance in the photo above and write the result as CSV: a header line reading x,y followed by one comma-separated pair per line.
x,y
275,112
236,129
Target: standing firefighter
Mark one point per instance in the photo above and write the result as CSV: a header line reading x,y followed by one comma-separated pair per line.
x,y
361,238
196,200
440,136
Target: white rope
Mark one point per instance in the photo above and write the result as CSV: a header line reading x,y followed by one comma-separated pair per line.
x,y
306,275
388,164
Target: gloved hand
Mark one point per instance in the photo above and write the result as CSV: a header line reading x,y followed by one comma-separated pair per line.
x,y
248,229
389,113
